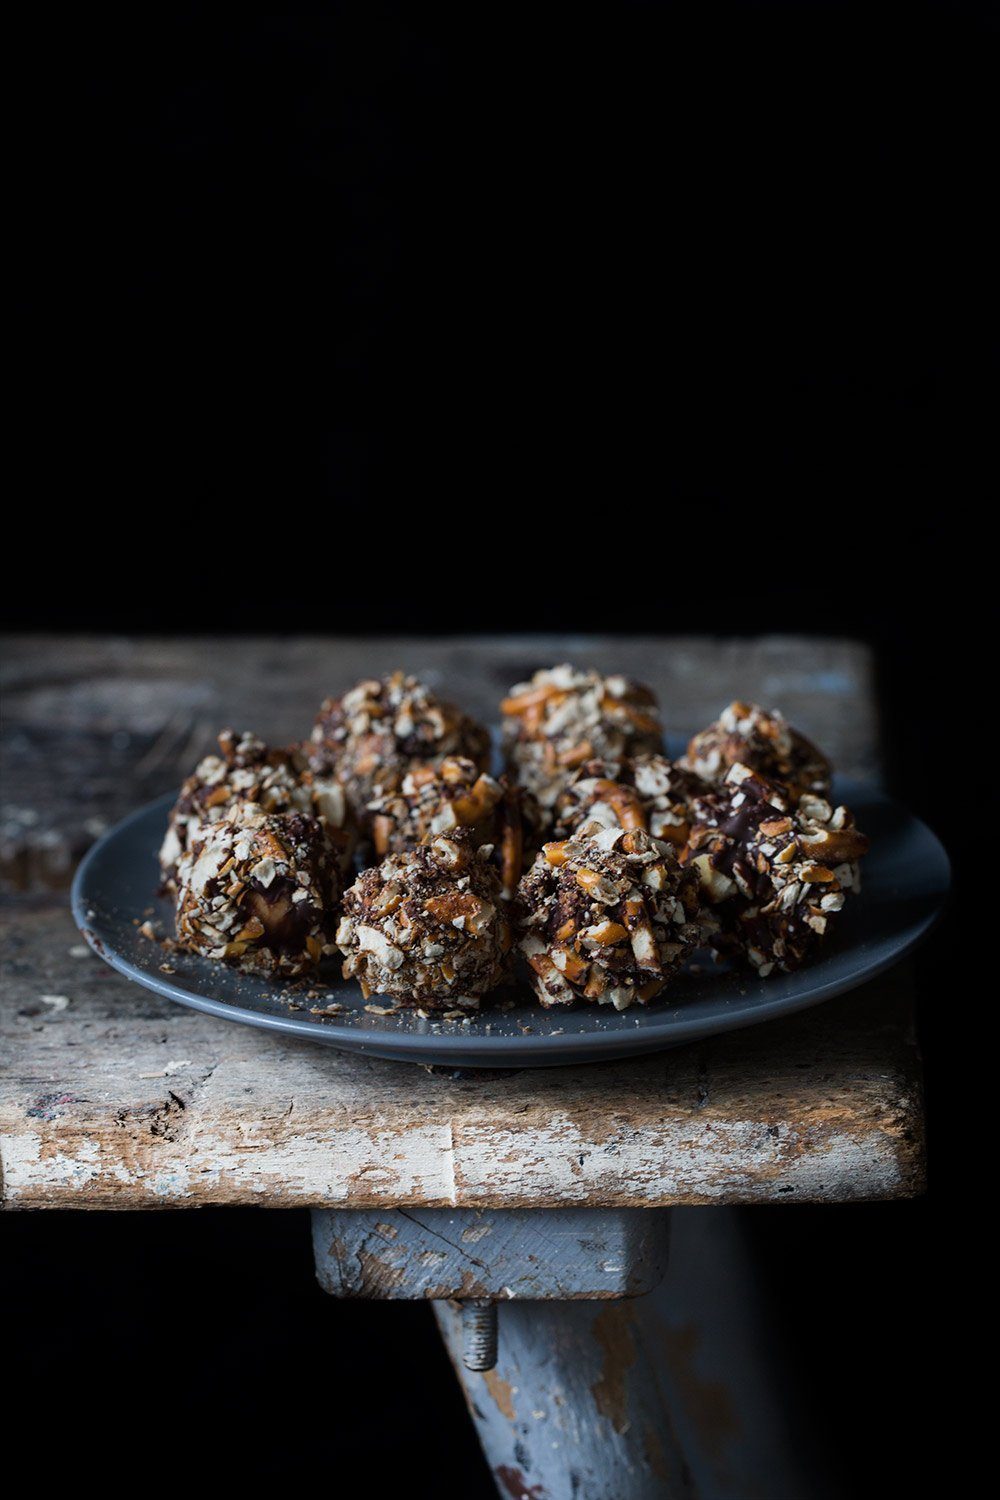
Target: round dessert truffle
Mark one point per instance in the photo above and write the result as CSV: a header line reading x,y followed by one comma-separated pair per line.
x,y
644,791
244,773
564,716
259,892
456,794
609,917
775,874
432,799
746,734
427,926
378,731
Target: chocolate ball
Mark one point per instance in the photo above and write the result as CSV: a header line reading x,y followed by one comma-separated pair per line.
x,y
428,926
247,773
776,873
746,734
608,917
372,736
259,892
642,791
564,717
455,794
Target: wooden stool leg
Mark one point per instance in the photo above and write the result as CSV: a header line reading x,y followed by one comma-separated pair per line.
x,y
677,1393
574,1406
603,1379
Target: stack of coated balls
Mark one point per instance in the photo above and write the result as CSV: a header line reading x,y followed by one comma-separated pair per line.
x,y
592,864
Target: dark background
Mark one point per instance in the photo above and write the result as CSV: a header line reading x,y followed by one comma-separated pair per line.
x,y
631,318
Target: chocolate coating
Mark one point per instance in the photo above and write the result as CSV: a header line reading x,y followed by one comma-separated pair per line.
x,y
564,717
380,730
607,918
776,875
427,926
746,734
259,892
246,772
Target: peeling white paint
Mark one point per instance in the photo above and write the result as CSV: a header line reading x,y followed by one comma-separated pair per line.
x,y
425,1164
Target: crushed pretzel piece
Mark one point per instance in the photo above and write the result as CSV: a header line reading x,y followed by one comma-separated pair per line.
x,y
442,938
564,717
761,739
278,919
593,926
248,780
382,730
774,877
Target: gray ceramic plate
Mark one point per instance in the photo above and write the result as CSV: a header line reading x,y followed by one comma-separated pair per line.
x,y
905,881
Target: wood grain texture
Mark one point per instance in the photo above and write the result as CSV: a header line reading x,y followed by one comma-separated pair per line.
x,y
114,1098
119,1099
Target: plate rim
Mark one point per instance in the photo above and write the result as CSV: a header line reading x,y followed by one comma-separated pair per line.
x,y
462,1042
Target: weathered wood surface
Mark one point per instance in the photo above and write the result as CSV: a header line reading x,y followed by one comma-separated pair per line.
x,y
94,727
122,1099
113,1097
508,1254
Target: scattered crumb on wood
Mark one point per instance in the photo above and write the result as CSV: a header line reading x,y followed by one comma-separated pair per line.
x,y
170,1069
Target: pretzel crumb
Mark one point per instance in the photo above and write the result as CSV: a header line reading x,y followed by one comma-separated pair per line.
x,y
774,878
564,717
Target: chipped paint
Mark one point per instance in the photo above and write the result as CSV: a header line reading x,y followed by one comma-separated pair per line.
x,y
613,1332
708,1402
502,1394
531,1254
233,1160
515,1484
169,1069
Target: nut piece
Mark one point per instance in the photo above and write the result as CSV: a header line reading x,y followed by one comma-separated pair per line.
x,y
607,919
379,731
260,892
247,774
644,791
746,734
435,799
775,877
427,926
564,717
